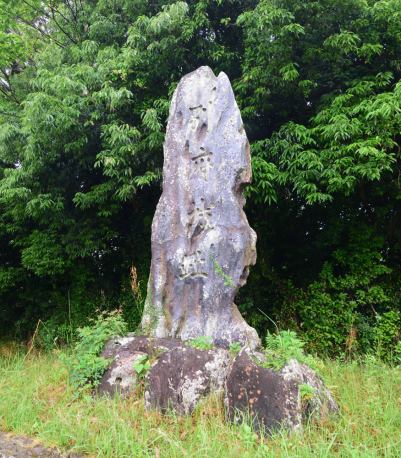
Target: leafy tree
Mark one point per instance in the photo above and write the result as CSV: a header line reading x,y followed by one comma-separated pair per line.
x,y
83,107
84,152
321,85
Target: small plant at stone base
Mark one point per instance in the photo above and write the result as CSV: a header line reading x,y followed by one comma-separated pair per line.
x,y
85,365
247,433
201,343
235,348
306,392
142,366
247,426
284,346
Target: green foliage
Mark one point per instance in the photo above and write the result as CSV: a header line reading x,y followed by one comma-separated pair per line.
x,y
142,366
329,60
201,343
18,36
332,305
52,335
84,97
397,353
85,365
235,348
387,336
282,347
306,392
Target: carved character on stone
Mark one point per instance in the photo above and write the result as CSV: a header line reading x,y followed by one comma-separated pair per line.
x,y
202,163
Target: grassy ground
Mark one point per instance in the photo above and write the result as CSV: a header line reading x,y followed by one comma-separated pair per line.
x,y
35,400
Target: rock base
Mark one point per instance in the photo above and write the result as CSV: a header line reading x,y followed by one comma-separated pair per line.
x,y
275,399
180,376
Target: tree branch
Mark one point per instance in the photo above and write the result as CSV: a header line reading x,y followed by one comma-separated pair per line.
x,y
61,28
53,10
69,6
42,32
52,7
10,95
4,113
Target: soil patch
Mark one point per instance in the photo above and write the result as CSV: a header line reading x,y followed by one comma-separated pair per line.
x,y
13,446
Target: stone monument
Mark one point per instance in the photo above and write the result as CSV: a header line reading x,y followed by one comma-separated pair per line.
x,y
202,247
202,244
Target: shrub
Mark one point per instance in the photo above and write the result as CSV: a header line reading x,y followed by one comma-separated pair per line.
x,y
85,365
284,346
52,334
387,336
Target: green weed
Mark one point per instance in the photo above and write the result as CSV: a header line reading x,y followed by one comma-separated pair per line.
x,y
142,366
284,346
306,391
228,281
84,364
235,348
201,343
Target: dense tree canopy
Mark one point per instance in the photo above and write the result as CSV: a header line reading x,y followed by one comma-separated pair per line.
x,y
84,94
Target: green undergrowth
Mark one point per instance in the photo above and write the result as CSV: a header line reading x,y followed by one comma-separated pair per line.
x,y
201,343
37,400
84,363
283,346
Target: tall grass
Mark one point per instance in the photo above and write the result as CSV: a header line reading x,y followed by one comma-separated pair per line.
x,y
35,400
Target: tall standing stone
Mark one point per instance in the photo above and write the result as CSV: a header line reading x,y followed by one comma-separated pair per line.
x,y
202,244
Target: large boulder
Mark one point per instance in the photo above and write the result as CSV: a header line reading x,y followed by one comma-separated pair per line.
x,y
202,244
121,376
179,377
274,399
123,353
183,376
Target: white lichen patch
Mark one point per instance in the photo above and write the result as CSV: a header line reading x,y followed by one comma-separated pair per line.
x,y
302,374
217,369
124,340
123,376
192,389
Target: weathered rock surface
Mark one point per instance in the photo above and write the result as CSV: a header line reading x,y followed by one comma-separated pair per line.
x,y
123,352
202,244
125,346
120,376
180,375
272,399
183,376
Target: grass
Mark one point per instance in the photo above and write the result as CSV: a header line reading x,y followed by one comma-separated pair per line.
x,y
35,400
